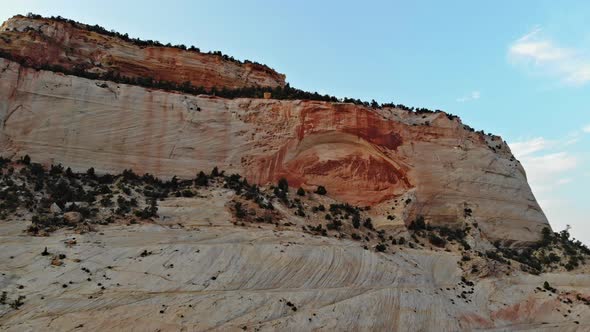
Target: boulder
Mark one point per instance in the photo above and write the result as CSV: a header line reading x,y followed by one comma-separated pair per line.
x,y
73,217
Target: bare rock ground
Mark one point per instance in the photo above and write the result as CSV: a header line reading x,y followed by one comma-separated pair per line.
x,y
204,273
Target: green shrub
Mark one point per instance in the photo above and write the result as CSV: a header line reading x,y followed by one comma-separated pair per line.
x,y
188,193
321,190
36,169
56,170
90,173
128,175
368,224
215,172
149,211
124,206
356,221
548,287
201,180
17,303
436,240
467,212
25,160
418,224
283,185
497,257
334,225
239,210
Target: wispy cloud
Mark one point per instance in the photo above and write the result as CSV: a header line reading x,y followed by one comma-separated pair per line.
x,y
564,181
545,168
474,95
550,165
546,171
542,55
586,129
523,149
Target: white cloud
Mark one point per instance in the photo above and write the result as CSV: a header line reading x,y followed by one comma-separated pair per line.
x,y
550,166
547,57
545,168
545,172
472,96
525,148
586,129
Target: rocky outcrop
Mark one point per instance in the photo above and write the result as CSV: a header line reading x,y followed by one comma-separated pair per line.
x,y
192,270
213,257
401,163
40,42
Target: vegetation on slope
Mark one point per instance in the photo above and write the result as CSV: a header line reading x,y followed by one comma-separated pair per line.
x,y
552,252
59,198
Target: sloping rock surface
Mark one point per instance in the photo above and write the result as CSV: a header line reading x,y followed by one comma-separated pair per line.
x,y
207,274
402,163
41,42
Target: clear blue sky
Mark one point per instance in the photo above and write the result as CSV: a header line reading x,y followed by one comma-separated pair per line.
x,y
520,69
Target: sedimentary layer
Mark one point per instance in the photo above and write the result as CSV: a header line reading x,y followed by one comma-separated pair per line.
x,y
43,42
402,163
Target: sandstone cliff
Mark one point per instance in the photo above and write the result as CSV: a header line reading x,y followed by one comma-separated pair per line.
x,y
40,42
402,163
198,264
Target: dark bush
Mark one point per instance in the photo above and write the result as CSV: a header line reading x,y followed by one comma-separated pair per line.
x,y
37,170
356,221
124,206
128,175
25,160
548,287
149,211
418,224
56,170
467,212
334,225
283,185
321,190
368,224
90,173
239,210
201,180
436,240
497,257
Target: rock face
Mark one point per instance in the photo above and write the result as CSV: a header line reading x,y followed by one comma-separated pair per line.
x,y
203,273
401,163
72,46
197,266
